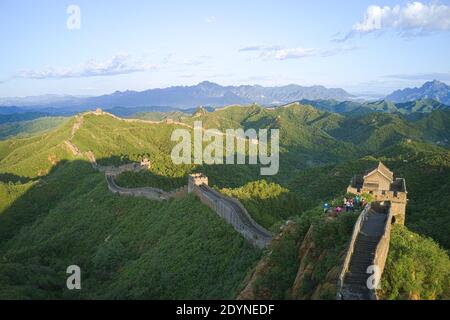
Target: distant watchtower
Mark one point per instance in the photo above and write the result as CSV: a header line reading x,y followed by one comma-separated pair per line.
x,y
98,112
380,183
196,179
145,163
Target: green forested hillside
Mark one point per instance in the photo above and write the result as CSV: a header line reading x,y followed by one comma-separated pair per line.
x,y
20,116
35,156
269,203
30,127
159,116
55,209
416,268
424,105
376,131
305,259
126,247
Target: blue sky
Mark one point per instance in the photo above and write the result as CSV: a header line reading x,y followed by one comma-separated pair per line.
x,y
362,46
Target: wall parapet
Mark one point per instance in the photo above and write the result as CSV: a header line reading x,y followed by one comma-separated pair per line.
x,y
244,211
234,213
378,255
148,192
351,248
382,250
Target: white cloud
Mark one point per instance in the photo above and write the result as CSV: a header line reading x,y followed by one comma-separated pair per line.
x,y
413,19
210,19
121,63
441,76
290,53
282,53
261,48
190,75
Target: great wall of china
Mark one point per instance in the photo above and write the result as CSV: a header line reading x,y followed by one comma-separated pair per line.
x,y
367,252
230,209
369,244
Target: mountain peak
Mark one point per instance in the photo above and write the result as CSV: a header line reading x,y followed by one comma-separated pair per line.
x,y
207,84
434,84
435,90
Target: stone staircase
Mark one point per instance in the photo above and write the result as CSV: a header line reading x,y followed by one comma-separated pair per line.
x,y
355,280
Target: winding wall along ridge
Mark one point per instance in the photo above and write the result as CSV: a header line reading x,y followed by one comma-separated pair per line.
x,y
230,209
234,213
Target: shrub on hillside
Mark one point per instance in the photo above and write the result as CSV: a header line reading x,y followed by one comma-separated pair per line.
x,y
416,268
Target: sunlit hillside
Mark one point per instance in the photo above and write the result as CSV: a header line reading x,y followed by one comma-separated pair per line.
x,y
56,208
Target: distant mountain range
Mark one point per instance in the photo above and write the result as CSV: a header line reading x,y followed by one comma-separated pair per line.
x,y
205,93
435,90
431,96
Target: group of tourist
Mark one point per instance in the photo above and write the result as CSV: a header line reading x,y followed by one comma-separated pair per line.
x,y
349,205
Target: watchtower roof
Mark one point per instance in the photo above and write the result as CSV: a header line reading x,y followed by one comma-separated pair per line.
x,y
383,170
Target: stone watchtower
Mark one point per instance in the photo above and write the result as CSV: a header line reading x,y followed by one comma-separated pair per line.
x,y
381,184
196,179
98,112
145,163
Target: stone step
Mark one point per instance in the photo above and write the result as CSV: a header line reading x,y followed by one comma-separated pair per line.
x,y
368,254
356,296
357,285
361,281
365,238
365,247
355,290
365,255
364,251
364,244
358,277
361,261
359,269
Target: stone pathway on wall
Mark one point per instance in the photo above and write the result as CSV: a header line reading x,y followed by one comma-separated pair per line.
x,y
355,280
235,213
147,192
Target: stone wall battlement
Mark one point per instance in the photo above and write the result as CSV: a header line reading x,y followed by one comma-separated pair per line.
x,y
233,212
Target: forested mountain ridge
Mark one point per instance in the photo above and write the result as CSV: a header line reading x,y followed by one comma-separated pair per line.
x,y
136,248
422,105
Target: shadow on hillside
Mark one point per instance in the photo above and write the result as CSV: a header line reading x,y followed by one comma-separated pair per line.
x,y
41,197
219,175
314,184
64,177
9,177
118,160
147,178
230,176
34,250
